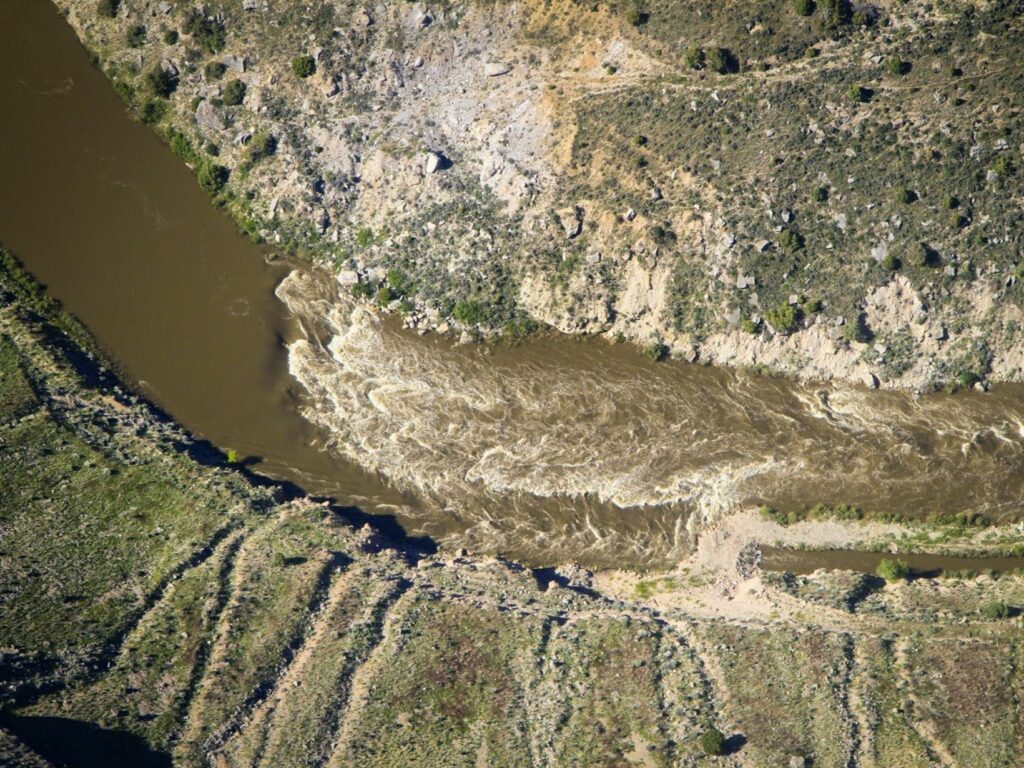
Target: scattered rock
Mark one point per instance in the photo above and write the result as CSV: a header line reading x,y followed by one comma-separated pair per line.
x,y
208,117
496,69
787,216
571,220
348,277
234,63
871,382
630,215
733,318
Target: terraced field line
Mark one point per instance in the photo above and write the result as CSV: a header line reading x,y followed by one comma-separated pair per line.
x,y
937,751
362,677
260,717
864,747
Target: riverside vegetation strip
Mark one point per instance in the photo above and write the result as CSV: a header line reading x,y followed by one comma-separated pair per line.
x,y
158,610
825,189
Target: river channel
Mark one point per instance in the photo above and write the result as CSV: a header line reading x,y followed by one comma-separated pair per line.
x,y
557,449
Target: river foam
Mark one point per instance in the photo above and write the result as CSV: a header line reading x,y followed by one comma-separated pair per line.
x,y
560,437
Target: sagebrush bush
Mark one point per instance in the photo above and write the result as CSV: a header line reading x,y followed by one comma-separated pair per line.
x,y
234,93
303,66
891,569
108,8
215,70
804,7
161,82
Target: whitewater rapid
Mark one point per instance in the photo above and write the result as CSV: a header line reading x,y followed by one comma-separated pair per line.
x,y
564,443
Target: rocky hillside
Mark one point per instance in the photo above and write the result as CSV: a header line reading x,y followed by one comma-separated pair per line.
x,y
158,608
819,187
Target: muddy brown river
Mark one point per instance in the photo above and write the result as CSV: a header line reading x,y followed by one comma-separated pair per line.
x,y
558,449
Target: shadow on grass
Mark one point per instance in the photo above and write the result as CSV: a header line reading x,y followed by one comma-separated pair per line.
x,y
76,744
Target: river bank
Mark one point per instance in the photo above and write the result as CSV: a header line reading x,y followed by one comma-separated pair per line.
x,y
163,611
847,260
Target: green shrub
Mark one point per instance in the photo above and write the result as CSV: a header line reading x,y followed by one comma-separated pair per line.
x,y
836,12
997,610
182,147
722,61
212,177
694,57
783,317
656,351
897,66
136,36
892,570
207,33
364,237
904,196
922,255
748,325
215,70
171,37
890,263
153,111
636,16
791,240
804,7
469,313
820,194
303,66
1003,166
234,93
161,82
952,202
262,145
712,741
858,94
108,8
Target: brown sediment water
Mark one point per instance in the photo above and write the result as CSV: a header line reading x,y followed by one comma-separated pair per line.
x,y
803,562
558,449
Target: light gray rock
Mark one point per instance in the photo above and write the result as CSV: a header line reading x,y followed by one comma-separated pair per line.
x,y
208,117
733,317
496,69
348,277
787,216
571,220
234,63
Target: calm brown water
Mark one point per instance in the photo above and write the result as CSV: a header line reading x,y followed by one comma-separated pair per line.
x,y
549,451
805,562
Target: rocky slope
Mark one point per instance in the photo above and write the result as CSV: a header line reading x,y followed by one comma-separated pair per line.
x,y
159,608
826,189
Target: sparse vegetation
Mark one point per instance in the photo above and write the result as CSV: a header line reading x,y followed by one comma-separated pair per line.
x,y
234,93
892,569
303,66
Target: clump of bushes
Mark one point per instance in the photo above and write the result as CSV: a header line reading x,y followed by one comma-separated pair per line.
x,y
897,66
892,569
153,111
694,57
997,610
712,741
859,94
843,512
303,66
904,196
656,351
212,177
261,146
890,263
161,82
791,240
108,8
636,16
215,70
820,194
783,318
136,36
234,93
722,61
469,313
171,37
208,34
804,7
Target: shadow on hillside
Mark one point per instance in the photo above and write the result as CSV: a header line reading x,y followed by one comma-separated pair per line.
x,y
77,744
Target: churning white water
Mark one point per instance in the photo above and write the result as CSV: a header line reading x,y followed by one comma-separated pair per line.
x,y
559,443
